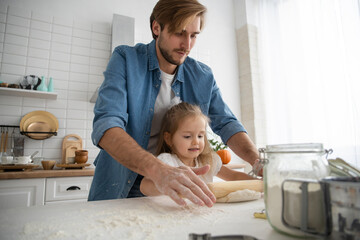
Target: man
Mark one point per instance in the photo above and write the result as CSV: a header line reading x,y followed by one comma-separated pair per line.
x,y
140,84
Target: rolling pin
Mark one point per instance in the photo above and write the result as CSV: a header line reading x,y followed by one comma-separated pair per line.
x,y
221,189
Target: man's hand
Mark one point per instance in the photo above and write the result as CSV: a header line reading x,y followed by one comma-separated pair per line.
x,y
183,182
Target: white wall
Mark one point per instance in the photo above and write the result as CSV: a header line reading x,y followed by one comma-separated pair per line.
x,y
216,47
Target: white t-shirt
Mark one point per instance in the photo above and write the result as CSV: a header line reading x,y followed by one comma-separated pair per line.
x,y
165,99
173,160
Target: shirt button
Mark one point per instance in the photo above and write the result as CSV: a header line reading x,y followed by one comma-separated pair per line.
x,y
156,85
129,181
151,109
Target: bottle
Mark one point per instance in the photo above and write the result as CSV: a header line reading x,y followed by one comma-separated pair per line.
x,y
42,86
50,85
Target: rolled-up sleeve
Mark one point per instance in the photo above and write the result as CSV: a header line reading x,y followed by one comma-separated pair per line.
x,y
111,106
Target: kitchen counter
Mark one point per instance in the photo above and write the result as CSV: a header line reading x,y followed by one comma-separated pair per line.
x,y
47,173
137,218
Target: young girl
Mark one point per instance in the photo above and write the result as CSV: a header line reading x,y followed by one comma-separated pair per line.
x,y
183,142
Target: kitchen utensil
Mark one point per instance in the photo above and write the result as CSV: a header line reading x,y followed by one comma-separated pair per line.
x,y
2,141
81,156
70,154
285,161
73,166
48,164
70,144
207,236
33,155
337,197
18,149
38,122
221,189
5,144
22,160
339,168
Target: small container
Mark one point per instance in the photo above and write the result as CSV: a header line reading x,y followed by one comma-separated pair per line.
x,y
42,86
81,156
50,87
7,159
292,161
48,164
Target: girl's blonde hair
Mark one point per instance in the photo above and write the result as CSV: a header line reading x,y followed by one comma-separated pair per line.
x,y
171,122
176,13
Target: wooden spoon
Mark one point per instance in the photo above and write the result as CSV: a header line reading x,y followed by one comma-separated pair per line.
x,y
5,145
2,141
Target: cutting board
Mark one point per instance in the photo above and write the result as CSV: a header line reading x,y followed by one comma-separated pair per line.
x,y
70,144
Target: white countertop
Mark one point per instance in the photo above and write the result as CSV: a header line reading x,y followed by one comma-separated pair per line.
x,y
137,218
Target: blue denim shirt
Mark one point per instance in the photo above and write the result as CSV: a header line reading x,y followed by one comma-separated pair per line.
x,y
127,99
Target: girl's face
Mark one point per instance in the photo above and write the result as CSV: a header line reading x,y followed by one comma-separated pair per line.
x,y
189,139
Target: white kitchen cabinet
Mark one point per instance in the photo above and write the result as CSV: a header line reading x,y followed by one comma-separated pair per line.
x,y
67,189
40,191
22,192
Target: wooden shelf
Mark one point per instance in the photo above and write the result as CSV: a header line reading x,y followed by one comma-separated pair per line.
x,y
27,93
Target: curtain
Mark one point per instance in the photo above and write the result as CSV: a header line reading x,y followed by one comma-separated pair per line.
x,y
310,65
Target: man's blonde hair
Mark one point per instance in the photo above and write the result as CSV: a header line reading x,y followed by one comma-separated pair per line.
x,y
177,14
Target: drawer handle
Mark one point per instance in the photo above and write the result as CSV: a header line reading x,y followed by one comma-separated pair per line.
x,y
72,188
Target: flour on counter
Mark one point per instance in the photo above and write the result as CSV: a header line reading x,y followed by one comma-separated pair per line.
x,y
148,221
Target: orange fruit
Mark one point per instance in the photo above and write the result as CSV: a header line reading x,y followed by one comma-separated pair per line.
x,y
225,156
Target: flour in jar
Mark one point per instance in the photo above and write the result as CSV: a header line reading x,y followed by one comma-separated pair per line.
x,y
292,209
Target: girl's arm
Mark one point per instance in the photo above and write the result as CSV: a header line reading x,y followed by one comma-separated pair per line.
x,y
228,174
148,188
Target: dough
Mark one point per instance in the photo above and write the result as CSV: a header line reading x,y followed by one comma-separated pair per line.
x,y
240,196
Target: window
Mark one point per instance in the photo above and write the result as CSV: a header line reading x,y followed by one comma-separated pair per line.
x,y
310,61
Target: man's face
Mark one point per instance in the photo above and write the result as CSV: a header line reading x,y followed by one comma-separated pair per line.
x,y
172,49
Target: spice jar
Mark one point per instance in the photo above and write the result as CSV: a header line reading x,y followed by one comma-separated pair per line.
x,y
293,161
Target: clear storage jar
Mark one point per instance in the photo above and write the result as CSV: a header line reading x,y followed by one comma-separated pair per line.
x,y
292,161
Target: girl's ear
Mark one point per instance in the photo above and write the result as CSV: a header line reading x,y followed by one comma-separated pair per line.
x,y
167,138
156,28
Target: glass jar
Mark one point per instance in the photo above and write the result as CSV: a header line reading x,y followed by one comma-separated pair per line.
x,y
292,161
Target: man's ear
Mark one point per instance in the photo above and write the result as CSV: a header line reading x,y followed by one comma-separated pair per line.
x,y
167,138
156,28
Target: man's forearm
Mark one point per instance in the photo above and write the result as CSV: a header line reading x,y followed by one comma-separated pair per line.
x,y
241,145
123,148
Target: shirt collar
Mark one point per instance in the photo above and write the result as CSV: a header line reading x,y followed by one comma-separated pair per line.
x,y
154,62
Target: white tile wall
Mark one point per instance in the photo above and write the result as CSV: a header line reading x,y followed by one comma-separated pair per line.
x,y
72,52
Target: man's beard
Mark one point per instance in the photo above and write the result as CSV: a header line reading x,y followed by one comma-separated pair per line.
x,y
167,56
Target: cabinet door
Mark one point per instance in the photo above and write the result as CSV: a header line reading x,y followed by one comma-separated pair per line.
x,y
22,192
67,188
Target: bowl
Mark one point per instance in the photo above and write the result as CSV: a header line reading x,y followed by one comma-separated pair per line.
x,y
81,156
48,164
81,153
22,160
